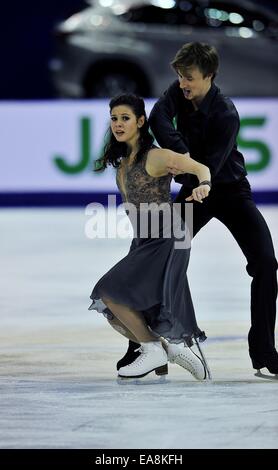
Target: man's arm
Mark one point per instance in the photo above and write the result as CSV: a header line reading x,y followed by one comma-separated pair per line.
x,y
161,120
221,140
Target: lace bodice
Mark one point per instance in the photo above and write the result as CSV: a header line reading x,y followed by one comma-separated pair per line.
x,y
137,186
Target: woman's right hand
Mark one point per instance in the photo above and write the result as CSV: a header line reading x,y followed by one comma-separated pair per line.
x,y
199,193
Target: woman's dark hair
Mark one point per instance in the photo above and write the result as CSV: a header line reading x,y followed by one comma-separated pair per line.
x,y
197,54
113,150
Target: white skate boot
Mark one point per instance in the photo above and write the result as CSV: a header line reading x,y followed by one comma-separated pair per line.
x,y
153,358
185,357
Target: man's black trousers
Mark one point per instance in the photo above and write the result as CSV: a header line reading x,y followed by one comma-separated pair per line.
x,y
232,204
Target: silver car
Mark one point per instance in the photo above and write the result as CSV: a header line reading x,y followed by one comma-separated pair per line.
x,y
126,45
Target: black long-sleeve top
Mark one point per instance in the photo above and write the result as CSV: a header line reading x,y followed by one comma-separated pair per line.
x,y
209,133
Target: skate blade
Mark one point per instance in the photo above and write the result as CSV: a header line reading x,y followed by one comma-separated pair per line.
x,y
266,376
208,377
150,379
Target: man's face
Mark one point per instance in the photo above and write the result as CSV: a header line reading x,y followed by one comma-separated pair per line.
x,y
193,84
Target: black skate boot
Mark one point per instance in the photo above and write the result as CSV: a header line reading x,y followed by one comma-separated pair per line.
x,y
130,356
269,360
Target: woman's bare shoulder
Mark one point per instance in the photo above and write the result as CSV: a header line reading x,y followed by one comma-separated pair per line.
x,y
157,151
155,155
156,164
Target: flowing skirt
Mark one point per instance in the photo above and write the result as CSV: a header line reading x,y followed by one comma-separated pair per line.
x,y
152,280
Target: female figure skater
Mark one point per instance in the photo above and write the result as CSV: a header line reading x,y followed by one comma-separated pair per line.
x,y
146,295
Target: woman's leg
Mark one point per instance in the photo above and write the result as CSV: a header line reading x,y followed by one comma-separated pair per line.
x,y
122,329
153,357
132,320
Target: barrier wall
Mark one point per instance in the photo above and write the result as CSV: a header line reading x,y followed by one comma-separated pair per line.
x,y
47,150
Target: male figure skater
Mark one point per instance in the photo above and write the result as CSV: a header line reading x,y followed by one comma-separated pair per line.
x,y
207,124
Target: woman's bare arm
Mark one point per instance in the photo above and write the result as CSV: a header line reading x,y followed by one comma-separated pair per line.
x,y
164,161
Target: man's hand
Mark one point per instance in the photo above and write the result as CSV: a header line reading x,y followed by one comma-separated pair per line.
x,y
175,171
199,193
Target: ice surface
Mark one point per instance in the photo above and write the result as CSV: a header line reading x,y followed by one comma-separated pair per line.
x,y
58,380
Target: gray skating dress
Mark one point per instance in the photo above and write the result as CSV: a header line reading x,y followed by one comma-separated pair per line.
x,y
152,277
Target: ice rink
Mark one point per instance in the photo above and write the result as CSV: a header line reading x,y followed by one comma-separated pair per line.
x,y
58,377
